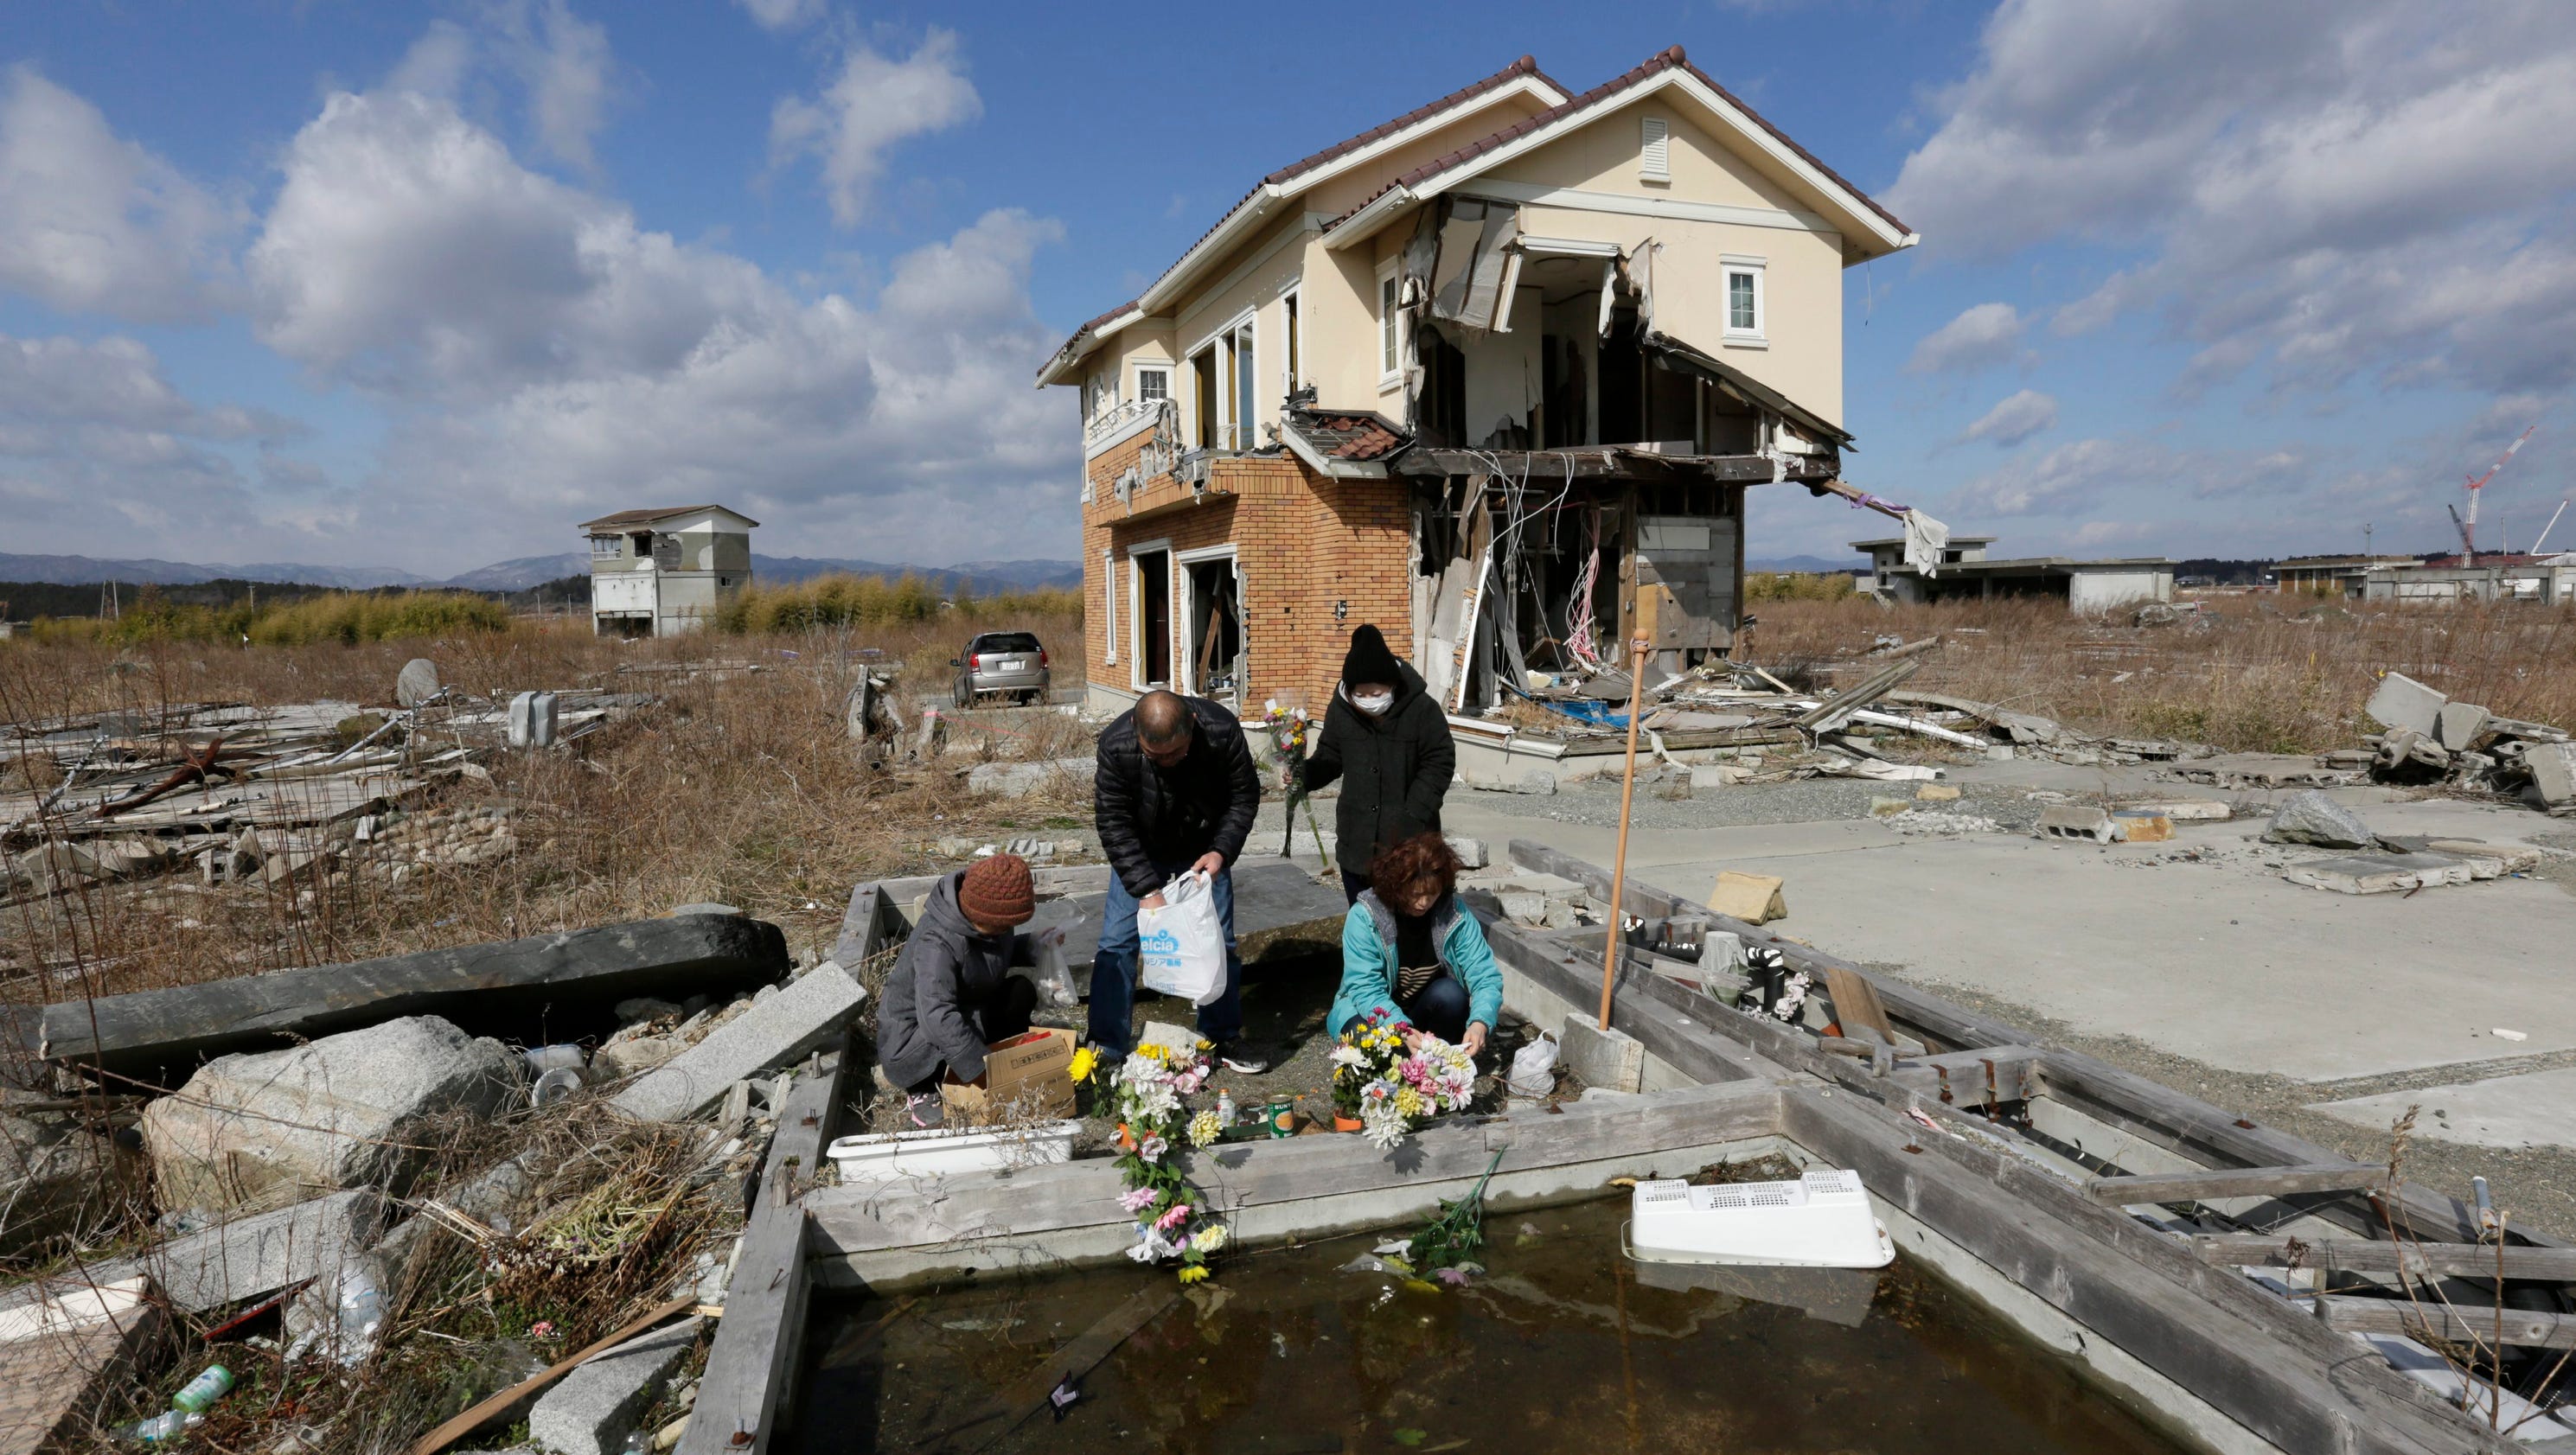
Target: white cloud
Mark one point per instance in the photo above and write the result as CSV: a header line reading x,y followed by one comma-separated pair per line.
x,y
561,360
565,64
783,14
872,104
1980,337
99,450
2320,189
2078,478
91,223
2015,419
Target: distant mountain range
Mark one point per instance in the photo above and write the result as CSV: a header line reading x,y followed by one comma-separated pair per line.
x,y
514,575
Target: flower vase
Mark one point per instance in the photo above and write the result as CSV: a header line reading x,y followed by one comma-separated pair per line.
x,y
1342,1123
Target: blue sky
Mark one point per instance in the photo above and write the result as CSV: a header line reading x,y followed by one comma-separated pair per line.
x,y
422,285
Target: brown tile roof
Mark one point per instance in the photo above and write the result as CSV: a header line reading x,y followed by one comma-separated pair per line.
x,y
1525,66
1348,434
649,515
1670,58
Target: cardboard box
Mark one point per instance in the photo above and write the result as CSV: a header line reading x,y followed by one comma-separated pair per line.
x,y
1026,1076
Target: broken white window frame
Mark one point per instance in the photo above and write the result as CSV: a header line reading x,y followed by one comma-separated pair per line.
x,y
1185,661
1109,605
1389,297
1137,656
1292,340
1734,266
1654,150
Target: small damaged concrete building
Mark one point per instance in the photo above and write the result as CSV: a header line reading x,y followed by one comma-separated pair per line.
x,y
1966,571
1479,375
661,572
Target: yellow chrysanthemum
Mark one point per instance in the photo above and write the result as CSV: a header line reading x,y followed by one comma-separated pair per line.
x,y
1084,1063
1194,1273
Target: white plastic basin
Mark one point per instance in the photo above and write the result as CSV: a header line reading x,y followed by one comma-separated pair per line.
x,y
887,1155
1822,1220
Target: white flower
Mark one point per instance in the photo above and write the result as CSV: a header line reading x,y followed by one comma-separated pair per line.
x,y
1349,1056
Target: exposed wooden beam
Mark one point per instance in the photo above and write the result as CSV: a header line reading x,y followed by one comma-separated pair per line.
x,y
1598,462
2201,1186
2451,1323
2361,1255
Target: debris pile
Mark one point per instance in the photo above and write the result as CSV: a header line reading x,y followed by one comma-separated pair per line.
x,y
2427,738
384,1184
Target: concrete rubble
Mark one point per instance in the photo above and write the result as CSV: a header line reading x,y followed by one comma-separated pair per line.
x,y
253,1132
598,1405
2428,739
2312,818
774,1031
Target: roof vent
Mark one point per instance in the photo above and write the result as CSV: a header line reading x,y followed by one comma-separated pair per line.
x,y
1655,150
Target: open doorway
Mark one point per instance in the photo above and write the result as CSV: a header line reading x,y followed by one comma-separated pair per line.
x,y
1153,598
1214,634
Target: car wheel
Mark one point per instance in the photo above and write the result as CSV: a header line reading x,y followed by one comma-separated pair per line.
x,y
965,693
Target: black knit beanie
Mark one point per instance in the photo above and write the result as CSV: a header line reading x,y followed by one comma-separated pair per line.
x,y
1369,660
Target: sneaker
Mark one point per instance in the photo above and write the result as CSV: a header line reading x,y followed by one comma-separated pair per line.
x,y
1241,1058
927,1113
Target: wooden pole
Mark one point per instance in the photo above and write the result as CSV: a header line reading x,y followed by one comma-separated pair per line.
x,y
1639,644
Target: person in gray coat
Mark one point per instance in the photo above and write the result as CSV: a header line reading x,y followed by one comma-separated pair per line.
x,y
951,993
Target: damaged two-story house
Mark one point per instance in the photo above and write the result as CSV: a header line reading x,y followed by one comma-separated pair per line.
x,y
1479,375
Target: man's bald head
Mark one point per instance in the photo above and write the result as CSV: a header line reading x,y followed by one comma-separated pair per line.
x,y
1163,724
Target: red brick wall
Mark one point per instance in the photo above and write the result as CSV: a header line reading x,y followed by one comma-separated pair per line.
x,y
1303,544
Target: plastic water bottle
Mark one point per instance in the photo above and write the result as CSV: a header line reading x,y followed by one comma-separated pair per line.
x,y
362,1308
203,1390
1224,1107
163,1427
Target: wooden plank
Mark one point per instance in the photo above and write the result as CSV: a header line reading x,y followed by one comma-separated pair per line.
x,y
2451,1323
506,1404
2249,1354
745,1393
2361,1255
2216,1182
560,982
1856,1005
1061,1197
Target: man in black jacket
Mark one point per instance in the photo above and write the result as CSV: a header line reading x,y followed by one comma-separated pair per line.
x,y
1388,742
1175,791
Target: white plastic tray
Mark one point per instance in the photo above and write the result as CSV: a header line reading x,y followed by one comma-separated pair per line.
x,y
1822,1220
888,1155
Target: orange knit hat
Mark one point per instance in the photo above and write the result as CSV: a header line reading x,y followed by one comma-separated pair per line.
x,y
996,891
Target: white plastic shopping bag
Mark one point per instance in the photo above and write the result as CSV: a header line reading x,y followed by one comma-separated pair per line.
x,y
1180,948
1052,976
1533,1072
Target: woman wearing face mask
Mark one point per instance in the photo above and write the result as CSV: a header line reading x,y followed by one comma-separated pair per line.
x,y
1388,744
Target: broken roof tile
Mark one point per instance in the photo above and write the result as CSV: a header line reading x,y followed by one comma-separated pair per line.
x,y
1348,434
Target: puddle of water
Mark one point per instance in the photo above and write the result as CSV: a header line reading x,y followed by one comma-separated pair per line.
x,y
1563,1345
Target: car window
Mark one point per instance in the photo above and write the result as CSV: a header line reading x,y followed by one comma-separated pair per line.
x,y
1006,642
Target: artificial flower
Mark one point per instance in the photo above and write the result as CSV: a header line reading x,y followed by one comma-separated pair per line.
x,y
1177,1214
1205,1129
1137,1199
1194,1273
1153,1147
1209,1239
1084,1062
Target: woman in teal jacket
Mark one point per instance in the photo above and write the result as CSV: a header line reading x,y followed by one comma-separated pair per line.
x,y
1412,954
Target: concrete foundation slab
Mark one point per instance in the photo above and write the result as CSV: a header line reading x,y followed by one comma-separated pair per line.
x,y
2537,1109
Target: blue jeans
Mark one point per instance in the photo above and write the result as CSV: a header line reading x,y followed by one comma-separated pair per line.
x,y
1113,969
1440,1008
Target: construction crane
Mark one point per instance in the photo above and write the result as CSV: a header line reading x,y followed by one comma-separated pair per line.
x,y
2469,527
2535,545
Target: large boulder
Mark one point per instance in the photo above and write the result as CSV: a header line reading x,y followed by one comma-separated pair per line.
x,y
261,1131
2310,817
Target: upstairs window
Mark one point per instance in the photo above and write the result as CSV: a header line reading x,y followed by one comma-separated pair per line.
x,y
1390,325
1744,305
1153,386
603,546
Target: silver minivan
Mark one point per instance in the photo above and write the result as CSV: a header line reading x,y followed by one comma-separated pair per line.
x,y
1009,663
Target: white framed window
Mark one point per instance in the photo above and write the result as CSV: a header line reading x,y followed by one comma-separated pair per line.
x,y
1390,327
603,546
1291,339
1744,304
1654,149
1109,603
1153,383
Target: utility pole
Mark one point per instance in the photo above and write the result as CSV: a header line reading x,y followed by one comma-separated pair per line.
x,y
2365,538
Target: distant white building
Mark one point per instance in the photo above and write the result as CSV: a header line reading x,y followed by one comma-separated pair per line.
x,y
1967,571
657,573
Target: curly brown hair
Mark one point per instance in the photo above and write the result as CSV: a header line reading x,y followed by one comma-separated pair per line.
x,y
1407,863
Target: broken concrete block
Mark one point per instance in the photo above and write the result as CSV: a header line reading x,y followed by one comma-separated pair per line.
x,y
1560,915
1470,852
1170,1037
634,1056
1018,780
67,1356
797,1020
1717,775
2309,817
260,1131
2459,724
596,1406
1936,793
416,683
2077,821
2402,703
1752,898
53,1175
2142,826
1611,1059
2553,773
532,720
250,1257
2381,874
2191,810
1523,907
